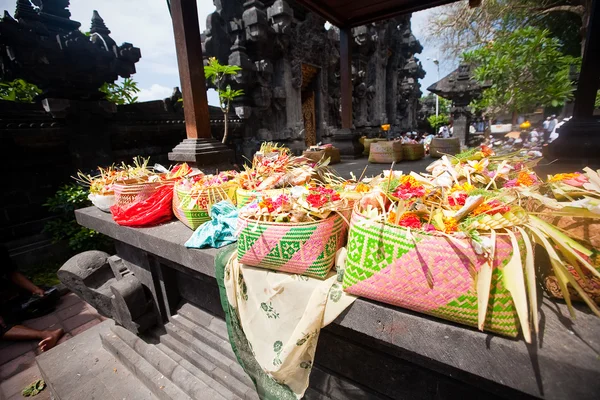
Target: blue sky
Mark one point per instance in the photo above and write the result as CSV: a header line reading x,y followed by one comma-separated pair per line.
x,y
147,24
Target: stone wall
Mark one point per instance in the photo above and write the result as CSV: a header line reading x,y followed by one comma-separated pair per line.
x,y
42,150
287,57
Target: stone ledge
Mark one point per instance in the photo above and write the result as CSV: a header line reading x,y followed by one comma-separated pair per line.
x,y
564,364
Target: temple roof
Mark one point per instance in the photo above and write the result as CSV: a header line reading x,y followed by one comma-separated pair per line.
x,y
458,83
348,14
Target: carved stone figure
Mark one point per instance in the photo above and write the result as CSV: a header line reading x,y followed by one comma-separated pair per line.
x,y
276,41
109,286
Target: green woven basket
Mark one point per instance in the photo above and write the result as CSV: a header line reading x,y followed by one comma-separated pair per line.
x,y
427,273
193,210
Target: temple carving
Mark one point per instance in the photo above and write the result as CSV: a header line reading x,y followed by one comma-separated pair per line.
x,y
290,72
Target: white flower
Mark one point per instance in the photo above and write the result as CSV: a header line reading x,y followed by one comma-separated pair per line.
x,y
444,180
298,191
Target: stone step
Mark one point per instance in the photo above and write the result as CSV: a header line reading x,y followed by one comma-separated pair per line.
x,y
203,318
225,378
216,342
159,385
81,368
197,372
180,376
195,324
210,360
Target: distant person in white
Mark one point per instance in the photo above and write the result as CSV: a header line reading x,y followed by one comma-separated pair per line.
x,y
444,132
546,133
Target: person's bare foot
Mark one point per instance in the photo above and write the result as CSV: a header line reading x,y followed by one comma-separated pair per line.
x,y
52,337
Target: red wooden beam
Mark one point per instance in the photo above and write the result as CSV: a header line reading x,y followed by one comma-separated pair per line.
x,y
188,44
346,77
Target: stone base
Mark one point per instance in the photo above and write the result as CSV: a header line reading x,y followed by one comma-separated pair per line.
x,y
346,140
578,139
206,154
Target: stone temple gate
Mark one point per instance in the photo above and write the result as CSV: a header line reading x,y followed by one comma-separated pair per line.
x,y
290,72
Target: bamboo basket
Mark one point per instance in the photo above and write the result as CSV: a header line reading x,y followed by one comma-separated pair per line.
x,y
126,194
368,142
412,151
427,273
194,210
306,248
441,146
385,152
584,230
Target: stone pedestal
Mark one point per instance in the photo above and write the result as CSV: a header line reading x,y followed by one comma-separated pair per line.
x,y
206,154
461,127
346,140
578,139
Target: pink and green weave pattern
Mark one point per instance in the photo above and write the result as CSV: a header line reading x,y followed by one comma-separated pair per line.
x,y
304,248
431,274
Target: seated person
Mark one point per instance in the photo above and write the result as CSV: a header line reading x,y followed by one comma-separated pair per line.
x,y
20,299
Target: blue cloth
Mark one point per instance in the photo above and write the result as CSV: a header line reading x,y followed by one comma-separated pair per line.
x,y
219,231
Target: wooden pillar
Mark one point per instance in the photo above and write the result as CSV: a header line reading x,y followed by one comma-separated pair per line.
x,y
589,77
346,77
184,14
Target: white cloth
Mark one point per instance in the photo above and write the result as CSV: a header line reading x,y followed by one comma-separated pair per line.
x,y
282,315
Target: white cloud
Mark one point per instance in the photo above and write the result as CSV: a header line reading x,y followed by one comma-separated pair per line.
x,y
155,92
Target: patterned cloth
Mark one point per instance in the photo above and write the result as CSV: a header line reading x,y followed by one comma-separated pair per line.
x,y
274,320
219,231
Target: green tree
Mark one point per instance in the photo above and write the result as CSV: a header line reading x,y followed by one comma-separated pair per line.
x,y
121,93
438,121
526,70
19,90
457,28
218,75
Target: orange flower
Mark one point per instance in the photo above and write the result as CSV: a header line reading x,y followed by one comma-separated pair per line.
x,y
385,127
450,225
526,179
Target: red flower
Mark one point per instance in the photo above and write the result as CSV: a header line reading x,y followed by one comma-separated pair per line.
x,y
457,200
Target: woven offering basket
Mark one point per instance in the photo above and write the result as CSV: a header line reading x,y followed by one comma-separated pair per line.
x,y
299,248
332,153
441,146
427,273
244,196
412,151
584,230
368,142
385,152
193,210
126,194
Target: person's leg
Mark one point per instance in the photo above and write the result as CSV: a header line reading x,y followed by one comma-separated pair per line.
x,y
48,338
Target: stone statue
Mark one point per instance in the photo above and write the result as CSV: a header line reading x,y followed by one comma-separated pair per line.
x,y
107,284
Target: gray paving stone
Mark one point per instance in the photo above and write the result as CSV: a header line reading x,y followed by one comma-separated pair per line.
x,y
77,320
15,349
82,363
49,321
16,383
17,365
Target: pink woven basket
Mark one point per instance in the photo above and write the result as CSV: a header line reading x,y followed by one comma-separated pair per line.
x,y
427,273
306,248
385,152
126,194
